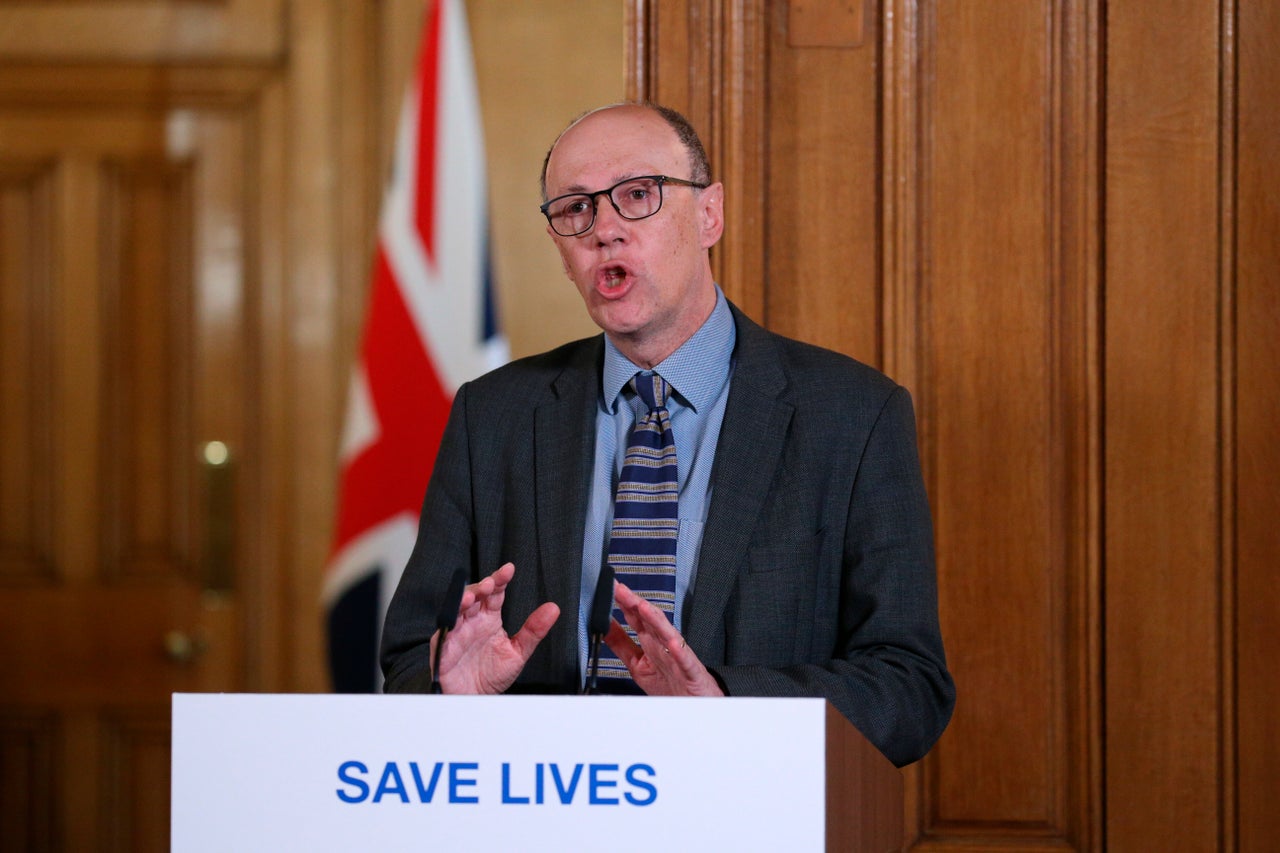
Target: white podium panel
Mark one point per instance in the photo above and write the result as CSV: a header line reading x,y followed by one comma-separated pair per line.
x,y
334,772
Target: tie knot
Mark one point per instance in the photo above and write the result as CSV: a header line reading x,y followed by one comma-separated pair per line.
x,y
652,388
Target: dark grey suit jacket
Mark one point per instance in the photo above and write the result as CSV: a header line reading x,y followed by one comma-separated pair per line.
x,y
816,573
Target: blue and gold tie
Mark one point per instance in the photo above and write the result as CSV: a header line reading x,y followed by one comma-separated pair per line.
x,y
642,544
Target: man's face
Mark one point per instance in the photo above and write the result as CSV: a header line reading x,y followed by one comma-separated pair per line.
x,y
646,282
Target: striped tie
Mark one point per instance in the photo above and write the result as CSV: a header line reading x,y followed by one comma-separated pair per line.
x,y
642,544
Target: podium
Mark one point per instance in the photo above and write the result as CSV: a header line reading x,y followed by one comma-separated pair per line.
x,y
342,772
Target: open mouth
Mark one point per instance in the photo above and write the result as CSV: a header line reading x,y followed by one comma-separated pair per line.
x,y
611,277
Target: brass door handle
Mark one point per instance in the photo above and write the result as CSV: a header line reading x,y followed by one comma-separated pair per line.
x,y
183,648
219,496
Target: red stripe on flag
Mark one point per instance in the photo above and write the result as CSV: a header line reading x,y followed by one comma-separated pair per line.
x,y
428,105
389,477
401,405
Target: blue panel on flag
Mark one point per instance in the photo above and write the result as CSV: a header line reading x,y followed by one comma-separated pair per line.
x,y
353,637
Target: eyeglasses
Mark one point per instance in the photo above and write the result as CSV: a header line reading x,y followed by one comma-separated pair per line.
x,y
634,198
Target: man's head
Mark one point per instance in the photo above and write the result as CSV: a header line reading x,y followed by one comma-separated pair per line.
x,y
646,281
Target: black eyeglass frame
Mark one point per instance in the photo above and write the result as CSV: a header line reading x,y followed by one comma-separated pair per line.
x,y
608,193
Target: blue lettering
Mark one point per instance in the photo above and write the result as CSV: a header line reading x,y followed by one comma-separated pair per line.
x,y
641,784
425,794
566,796
640,788
506,787
597,783
456,782
386,785
344,776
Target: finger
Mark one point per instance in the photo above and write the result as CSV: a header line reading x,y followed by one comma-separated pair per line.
x,y
621,644
633,607
470,606
535,629
503,575
475,595
492,591
660,640
468,599
647,621
623,595
685,659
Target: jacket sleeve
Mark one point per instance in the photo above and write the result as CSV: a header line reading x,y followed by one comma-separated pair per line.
x,y
444,546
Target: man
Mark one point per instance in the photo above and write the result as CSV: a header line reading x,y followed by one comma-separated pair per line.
x,y
803,562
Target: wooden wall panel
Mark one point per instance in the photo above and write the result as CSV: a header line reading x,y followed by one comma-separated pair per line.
x,y
822,193
148,331
1004,399
28,769
1165,581
136,776
688,77
26,371
967,264
1257,421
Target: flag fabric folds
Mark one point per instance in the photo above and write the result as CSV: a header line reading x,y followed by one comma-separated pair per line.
x,y
430,326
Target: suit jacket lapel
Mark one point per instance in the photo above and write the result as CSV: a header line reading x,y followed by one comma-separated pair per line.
x,y
564,443
747,454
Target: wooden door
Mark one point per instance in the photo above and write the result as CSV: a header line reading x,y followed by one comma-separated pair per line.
x,y
173,234
128,423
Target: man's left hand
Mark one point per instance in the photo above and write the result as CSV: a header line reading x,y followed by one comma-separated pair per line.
x,y
660,661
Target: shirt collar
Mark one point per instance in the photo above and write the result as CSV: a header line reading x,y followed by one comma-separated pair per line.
x,y
697,370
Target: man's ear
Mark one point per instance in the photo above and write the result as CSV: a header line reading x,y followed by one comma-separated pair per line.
x,y
711,214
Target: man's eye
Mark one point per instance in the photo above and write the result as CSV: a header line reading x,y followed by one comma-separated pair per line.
x,y
575,208
638,193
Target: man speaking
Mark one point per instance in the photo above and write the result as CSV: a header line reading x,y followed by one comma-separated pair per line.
x,y
757,500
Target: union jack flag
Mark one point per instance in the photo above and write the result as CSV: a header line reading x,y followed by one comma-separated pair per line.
x,y
430,326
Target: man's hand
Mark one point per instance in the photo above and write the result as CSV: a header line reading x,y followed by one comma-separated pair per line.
x,y
661,663
478,656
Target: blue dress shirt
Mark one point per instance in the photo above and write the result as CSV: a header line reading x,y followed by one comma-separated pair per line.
x,y
698,372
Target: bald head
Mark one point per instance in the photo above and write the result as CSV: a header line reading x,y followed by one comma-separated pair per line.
x,y
699,166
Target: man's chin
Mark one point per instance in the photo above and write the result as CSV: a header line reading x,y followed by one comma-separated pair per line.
x,y
618,318
622,331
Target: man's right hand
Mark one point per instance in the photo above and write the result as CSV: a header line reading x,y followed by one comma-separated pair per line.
x,y
478,656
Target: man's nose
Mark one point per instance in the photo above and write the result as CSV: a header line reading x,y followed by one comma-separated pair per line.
x,y
609,225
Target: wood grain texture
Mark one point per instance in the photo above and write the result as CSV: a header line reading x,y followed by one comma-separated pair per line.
x,y
994,392
822,231
864,792
1255,332
149,333
1164,570
826,23
26,371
